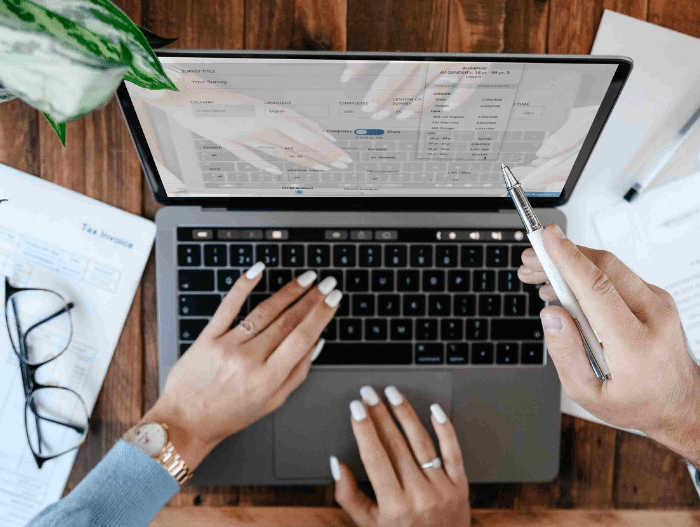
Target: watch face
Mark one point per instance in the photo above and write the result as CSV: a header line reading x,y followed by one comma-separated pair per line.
x,y
151,438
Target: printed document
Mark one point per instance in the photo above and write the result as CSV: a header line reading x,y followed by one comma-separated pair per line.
x,y
93,255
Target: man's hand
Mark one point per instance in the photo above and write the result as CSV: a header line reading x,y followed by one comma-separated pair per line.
x,y
655,384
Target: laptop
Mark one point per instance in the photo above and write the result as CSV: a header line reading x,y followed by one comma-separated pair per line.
x,y
382,170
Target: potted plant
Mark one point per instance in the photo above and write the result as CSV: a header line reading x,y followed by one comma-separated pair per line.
x,y
67,57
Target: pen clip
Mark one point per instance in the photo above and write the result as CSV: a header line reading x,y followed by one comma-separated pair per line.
x,y
591,358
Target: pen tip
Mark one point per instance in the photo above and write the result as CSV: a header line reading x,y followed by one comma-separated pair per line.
x,y
503,166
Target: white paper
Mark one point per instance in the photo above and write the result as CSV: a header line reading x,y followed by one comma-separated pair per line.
x,y
93,255
662,92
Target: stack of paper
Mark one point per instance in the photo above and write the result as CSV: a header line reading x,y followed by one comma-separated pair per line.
x,y
93,255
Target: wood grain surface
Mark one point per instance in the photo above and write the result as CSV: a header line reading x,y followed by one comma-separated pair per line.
x,y
600,467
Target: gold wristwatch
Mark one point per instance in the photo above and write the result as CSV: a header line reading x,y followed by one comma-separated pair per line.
x,y
152,439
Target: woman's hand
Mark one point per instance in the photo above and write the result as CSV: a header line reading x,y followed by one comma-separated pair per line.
x,y
407,495
228,378
655,384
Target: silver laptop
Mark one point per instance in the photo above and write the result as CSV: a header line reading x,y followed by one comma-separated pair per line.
x,y
382,170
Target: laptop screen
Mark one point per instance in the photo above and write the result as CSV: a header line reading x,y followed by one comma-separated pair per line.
x,y
300,127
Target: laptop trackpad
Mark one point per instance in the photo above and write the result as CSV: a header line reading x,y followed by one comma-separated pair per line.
x,y
315,421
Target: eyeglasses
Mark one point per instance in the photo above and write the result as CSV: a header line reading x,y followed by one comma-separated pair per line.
x,y
41,328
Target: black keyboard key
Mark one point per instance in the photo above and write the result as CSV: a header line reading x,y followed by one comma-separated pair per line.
x,y
516,254
408,280
458,280
319,255
215,255
241,255
430,353
339,353
401,329
184,347
191,328
489,305
446,255
279,278
507,353
516,329
198,305
433,281
477,329
362,305
344,256
457,353
226,278
388,305
293,256
427,329
192,280
484,281
335,273
189,255
451,329
256,299
464,305
383,280
497,256
508,281
330,332
370,256
395,256
532,353
422,256
357,280
375,329
482,353
514,305
350,329
343,308
439,305
472,256
269,254
414,305
535,303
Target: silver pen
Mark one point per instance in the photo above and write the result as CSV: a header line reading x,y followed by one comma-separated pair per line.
x,y
534,230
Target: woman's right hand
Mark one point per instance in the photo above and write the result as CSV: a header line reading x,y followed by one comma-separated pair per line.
x,y
407,495
655,384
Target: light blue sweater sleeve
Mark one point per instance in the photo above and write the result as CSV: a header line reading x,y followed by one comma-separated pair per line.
x,y
126,489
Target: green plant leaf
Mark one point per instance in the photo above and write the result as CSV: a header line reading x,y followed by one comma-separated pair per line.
x,y
52,63
59,128
6,95
106,19
156,41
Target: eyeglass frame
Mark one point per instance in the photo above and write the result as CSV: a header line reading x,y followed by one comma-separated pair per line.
x,y
29,382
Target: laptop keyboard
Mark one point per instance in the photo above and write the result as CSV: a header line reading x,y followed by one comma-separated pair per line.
x,y
411,296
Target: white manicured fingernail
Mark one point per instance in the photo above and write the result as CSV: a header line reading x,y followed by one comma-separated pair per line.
x,y
369,395
525,270
327,285
345,159
559,232
338,164
357,410
393,395
255,270
273,170
405,114
329,136
320,167
369,107
334,298
335,468
306,278
381,114
345,77
438,413
450,107
317,349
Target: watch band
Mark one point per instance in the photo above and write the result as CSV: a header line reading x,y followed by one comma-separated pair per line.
x,y
171,461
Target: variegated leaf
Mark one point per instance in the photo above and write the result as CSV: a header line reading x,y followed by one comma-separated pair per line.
x,y
6,95
104,18
59,128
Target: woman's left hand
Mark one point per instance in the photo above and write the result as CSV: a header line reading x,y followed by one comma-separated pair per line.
x,y
407,495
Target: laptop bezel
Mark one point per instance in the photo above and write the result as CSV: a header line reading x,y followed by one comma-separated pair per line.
x,y
378,203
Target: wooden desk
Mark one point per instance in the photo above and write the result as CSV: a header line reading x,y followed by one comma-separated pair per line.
x,y
600,467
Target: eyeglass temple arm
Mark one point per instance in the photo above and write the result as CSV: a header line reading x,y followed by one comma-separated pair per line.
x,y
65,309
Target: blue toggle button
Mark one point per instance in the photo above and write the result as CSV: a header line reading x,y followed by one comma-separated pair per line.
x,y
369,131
